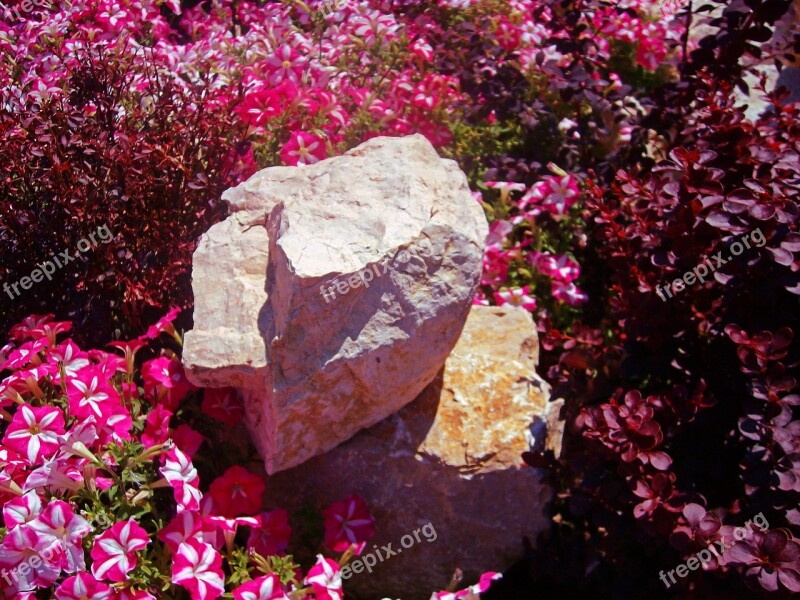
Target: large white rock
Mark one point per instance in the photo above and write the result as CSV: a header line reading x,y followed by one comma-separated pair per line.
x,y
334,292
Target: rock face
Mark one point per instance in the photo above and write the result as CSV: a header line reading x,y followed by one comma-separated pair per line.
x,y
452,459
334,292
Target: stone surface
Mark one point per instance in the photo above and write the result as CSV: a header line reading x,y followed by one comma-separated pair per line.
x,y
450,458
334,292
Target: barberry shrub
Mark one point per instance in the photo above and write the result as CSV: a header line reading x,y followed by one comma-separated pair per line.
x,y
108,138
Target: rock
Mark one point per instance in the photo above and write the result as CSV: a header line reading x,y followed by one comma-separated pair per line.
x,y
334,292
451,458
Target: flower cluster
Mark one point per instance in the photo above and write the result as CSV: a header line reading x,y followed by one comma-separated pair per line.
x,y
144,109
99,490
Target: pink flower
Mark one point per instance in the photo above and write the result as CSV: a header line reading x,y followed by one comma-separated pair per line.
x,y
262,588
560,267
165,380
223,405
326,579
273,534
347,522
422,49
285,63
568,292
517,297
263,103
83,587
303,149
70,356
129,349
58,524
33,432
185,525
237,492
114,550
182,476
24,329
89,394
163,324
555,194
187,439
156,426
508,35
198,568
22,510
19,546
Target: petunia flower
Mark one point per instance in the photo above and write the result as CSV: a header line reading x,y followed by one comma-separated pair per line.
x,y
223,405
24,509
303,149
347,522
33,432
517,297
89,394
83,587
179,471
59,524
198,568
326,579
267,587
165,381
237,492
273,533
114,550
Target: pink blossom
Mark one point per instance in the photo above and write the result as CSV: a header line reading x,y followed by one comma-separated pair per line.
x,y
285,64
129,349
33,432
165,380
69,356
156,426
555,194
237,492
187,439
182,476
185,525
198,568
223,405
59,524
560,267
24,329
326,579
22,510
568,292
262,588
114,550
163,324
347,522
507,35
273,533
83,587
516,297
20,545
89,394
303,149
58,474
